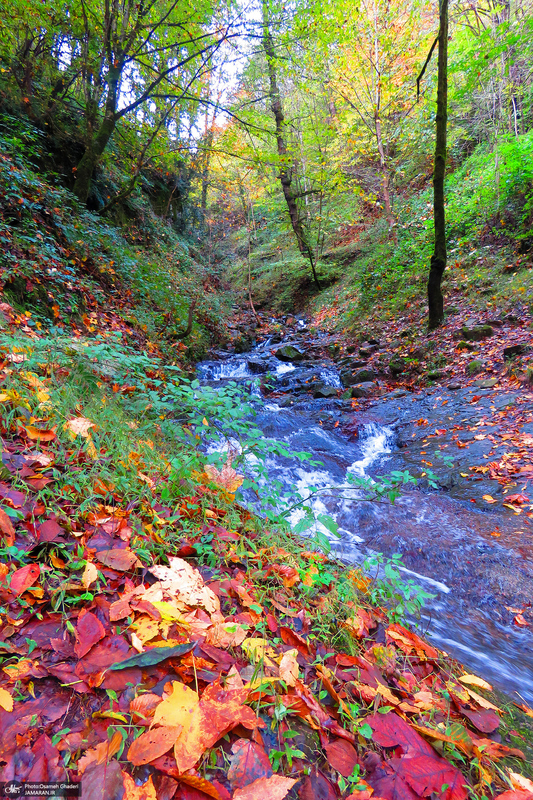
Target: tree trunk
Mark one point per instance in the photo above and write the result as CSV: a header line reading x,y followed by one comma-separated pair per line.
x,y
438,259
285,172
97,145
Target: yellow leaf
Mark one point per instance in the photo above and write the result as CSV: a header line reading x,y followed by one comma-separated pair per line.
x,y
169,612
473,680
90,574
177,708
6,701
110,715
489,499
482,702
258,649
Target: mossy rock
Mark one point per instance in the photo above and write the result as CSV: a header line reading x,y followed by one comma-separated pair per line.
x,y
397,365
477,333
463,345
474,367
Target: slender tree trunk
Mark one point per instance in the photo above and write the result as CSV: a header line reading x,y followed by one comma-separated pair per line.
x,y
438,259
98,143
386,179
285,172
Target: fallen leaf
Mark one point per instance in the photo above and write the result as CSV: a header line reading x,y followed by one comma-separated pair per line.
x,y
154,656
121,560
101,781
100,754
489,499
6,701
89,631
6,526
178,707
226,477
248,763
185,583
79,426
134,792
152,744
43,435
90,574
342,757
473,680
23,578
288,667
274,788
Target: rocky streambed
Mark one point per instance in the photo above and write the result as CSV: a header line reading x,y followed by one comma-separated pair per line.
x,y
475,555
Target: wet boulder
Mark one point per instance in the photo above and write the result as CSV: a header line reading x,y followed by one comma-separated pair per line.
x,y
325,391
350,378
257,366
365,389
289,353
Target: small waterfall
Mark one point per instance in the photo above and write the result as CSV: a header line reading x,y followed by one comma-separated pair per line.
x,y
376,441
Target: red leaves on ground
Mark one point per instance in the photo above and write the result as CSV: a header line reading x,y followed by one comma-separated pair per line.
x,y
89,631
248,763
23,578
342,757
419,768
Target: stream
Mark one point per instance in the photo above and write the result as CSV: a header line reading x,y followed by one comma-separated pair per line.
x,y
478,564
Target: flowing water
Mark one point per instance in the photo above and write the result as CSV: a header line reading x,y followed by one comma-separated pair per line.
x,y
445,542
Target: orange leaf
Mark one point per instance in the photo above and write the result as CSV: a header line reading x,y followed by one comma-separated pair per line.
x,y
36,433
134,792
152,744
7,528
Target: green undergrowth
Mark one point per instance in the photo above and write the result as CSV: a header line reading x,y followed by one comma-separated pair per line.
x,y
60,261
489,210
151,433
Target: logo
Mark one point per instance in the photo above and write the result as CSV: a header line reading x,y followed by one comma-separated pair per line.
x,y
13,789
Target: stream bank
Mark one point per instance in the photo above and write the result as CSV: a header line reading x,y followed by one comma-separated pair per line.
x,y
473,554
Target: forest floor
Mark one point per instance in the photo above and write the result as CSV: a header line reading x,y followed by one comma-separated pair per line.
x,y
159,641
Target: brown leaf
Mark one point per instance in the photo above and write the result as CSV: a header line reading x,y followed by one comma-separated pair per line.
x,y
121,560
152,744
89,631
274,788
